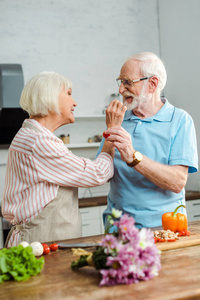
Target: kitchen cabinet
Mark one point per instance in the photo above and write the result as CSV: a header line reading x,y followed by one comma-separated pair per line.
x,y
92,222
193,210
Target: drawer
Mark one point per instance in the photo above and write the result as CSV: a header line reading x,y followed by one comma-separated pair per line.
x,y
193,217
193,206
91,227
89,213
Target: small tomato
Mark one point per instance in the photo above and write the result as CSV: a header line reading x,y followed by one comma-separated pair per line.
x,y
46,249
162,240
105,135
156,239
54,247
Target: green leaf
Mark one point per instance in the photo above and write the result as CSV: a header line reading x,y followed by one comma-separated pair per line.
x,y
19,263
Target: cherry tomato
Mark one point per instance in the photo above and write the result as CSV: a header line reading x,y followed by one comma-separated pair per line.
x,y
184,233
171,240
54,247
156,239
162,240
105,135
46,249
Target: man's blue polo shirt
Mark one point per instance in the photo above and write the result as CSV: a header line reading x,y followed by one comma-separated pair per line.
x,y
169,138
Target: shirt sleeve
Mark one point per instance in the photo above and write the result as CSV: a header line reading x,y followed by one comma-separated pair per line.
x,y
56,164
184,146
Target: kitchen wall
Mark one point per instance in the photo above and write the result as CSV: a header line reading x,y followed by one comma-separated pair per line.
x,y
179,23
85,40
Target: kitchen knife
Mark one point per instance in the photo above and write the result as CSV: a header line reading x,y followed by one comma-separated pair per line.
x,y
77,245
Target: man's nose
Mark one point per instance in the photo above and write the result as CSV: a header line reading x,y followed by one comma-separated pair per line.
x,y
122,88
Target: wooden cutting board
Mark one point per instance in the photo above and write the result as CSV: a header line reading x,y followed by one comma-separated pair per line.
x,y
184,241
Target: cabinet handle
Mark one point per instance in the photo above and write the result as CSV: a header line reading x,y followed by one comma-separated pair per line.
x,y
196,204
84,212
196,216
85,225
2,165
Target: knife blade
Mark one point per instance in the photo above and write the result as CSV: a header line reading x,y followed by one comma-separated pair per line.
x,y
77,245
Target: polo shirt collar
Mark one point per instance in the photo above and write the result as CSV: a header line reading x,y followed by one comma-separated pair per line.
x,y
165,114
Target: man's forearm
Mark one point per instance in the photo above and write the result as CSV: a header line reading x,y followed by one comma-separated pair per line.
x,y
167,177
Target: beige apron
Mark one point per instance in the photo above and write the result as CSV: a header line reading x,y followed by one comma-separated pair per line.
x,y
59,220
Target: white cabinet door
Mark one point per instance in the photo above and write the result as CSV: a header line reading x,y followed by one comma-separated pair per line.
x,y
92,227
90,221
193,210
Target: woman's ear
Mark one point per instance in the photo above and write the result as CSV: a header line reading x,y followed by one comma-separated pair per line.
x,y
153,84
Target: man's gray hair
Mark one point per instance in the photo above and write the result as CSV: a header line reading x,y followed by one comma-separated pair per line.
x,y
40,94
151,65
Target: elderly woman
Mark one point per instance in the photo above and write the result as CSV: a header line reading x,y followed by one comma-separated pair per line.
x,y
40,195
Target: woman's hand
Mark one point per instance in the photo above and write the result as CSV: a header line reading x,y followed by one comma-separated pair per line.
x,y
115,114
121,139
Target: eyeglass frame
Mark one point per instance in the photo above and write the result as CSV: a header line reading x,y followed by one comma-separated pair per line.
x,y
133,81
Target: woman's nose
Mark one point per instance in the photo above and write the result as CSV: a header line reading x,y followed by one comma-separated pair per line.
x,y
75,104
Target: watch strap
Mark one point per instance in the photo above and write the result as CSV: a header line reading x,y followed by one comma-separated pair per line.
x,y
135,160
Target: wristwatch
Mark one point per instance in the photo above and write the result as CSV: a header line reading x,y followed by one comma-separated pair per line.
x,y
137,158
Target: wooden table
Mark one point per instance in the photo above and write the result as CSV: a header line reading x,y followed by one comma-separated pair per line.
x,y
179,278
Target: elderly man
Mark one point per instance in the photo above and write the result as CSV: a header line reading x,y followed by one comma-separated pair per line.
x,y
155,147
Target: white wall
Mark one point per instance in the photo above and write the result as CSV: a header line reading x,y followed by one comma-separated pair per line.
x,y
85,40
180,50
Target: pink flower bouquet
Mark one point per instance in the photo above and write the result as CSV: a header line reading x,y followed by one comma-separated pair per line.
x,y
128,255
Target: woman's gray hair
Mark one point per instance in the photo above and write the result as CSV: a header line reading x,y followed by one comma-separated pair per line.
x,y
40,94
151,65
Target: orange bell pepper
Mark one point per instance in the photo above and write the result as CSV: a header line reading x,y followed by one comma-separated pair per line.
x,y
174,221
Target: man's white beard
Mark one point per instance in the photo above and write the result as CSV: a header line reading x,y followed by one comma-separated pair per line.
x,y
137,101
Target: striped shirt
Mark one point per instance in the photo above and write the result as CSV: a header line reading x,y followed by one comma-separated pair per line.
x,y
38,163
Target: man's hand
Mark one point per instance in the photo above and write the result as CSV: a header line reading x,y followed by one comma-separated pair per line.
x,y
115,114
121,139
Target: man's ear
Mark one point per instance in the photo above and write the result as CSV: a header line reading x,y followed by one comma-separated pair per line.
x,y
153,84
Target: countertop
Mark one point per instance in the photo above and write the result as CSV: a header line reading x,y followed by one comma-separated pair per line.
x,y
179,278
97,201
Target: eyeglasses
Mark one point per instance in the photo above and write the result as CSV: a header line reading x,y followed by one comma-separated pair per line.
x,y
129,82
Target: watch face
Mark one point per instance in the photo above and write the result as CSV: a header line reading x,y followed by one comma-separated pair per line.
x,y
138,156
